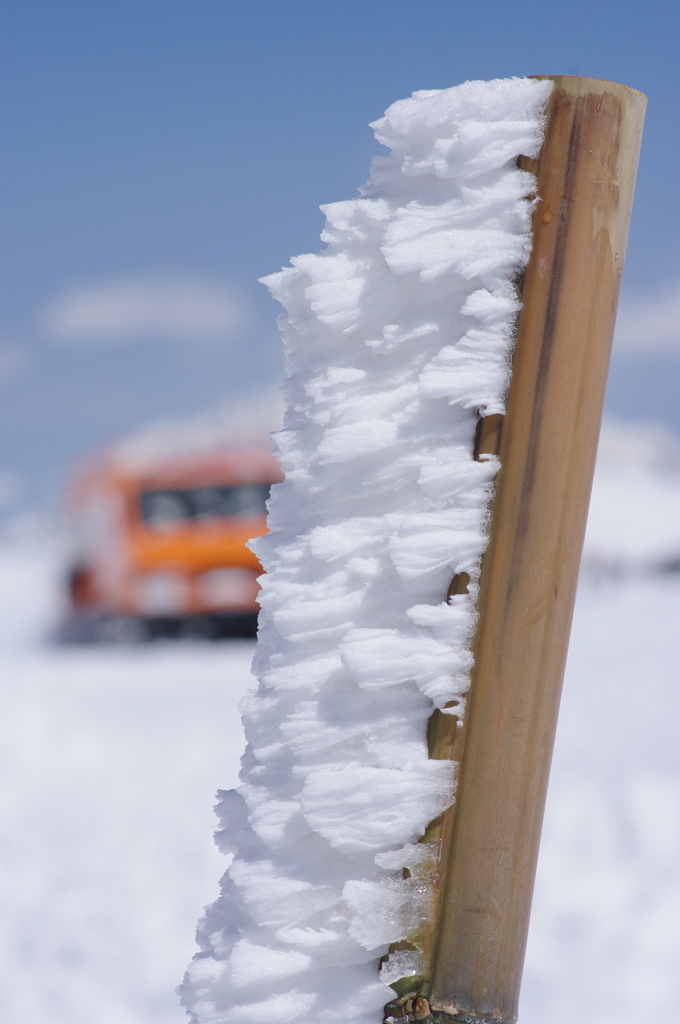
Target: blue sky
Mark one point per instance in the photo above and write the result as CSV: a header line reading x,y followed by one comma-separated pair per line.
x,y
185,146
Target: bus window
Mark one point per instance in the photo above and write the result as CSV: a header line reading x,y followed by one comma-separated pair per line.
x,y
165,508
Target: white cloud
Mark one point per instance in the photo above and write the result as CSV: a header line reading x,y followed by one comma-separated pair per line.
x,y
241,421
165,307
649,324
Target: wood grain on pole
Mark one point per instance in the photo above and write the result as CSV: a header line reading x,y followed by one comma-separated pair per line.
x,y
586,174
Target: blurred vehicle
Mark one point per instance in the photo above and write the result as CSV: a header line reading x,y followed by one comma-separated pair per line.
x,y
159,549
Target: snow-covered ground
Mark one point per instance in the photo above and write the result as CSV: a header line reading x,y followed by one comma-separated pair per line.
x,y
604,945
109,762
110,758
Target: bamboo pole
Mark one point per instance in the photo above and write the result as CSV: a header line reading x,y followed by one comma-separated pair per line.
x,y
547,445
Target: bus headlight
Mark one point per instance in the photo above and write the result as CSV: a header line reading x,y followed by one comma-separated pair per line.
x,y
227,588
161,593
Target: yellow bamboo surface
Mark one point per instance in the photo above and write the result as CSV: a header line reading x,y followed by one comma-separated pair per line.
x,y
547,444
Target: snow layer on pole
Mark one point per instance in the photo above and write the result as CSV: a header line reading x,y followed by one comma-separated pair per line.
x,y
398,337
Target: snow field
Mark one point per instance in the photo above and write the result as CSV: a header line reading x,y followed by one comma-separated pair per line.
x,y
604,943
108,765
109,762
110,759
634,518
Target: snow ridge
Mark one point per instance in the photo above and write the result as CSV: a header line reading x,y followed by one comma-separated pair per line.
x,y
398,336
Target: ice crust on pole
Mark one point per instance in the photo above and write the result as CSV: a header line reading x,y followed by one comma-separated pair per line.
x,y
398,337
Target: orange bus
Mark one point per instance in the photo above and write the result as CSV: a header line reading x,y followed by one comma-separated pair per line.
x,y
160,550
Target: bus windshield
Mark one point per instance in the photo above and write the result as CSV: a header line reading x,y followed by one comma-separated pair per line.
x,y
189,504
